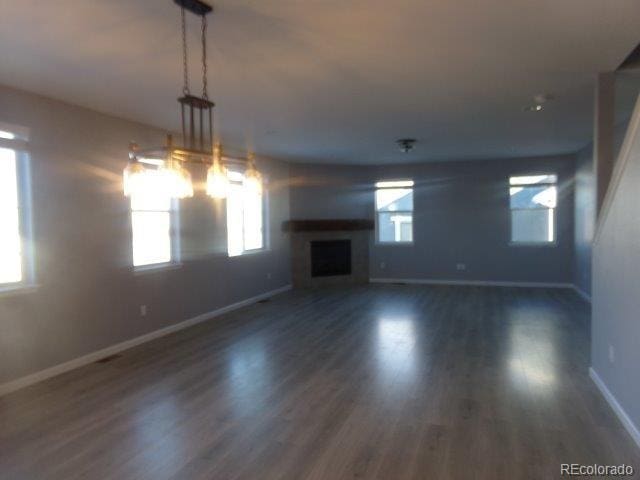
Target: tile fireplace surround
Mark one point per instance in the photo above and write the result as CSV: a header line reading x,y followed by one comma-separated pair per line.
x,y
303,232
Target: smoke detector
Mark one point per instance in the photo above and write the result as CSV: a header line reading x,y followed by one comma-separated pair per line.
x,y
406,144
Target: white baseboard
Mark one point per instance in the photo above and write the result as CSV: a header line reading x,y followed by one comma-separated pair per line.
x,y
480,283
615,406
113,349
585,296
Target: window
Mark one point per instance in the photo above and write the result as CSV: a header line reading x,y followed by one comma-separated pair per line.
x,y
533,203
14,224
245,217
394,211
153,219
10,240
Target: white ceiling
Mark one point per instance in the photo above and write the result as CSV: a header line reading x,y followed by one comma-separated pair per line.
x,y
332,80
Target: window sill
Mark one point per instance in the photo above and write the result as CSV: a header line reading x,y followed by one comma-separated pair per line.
x,y
156,267
247,253
534,244
21,289
393,244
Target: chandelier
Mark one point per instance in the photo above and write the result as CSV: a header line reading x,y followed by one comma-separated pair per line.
x,y
165,165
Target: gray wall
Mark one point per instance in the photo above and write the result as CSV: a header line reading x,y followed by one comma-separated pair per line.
x,y
585,207
616,284
585,218
88,297
461,215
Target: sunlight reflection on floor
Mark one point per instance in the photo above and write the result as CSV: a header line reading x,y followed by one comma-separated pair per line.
x,y
395,349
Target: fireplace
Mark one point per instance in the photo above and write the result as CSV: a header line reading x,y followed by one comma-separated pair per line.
x,y
329,252
330,258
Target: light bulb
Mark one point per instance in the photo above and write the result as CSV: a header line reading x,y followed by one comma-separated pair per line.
x,y
176,180
252,184
185,185
133,178
217,181
252,179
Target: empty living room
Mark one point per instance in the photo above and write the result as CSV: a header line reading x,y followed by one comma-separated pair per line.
x,y
319,240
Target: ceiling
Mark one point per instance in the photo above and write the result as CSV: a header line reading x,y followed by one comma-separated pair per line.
x,y
334,81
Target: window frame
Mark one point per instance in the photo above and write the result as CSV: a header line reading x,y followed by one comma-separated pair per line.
x,y
263,213
174,239
540,244
388,184
18,143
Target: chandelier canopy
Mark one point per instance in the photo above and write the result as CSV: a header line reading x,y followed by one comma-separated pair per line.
x,y
167,162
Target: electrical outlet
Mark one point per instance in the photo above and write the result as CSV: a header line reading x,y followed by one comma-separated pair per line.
x,y
612,354
461,266
383,265
143,310
269,276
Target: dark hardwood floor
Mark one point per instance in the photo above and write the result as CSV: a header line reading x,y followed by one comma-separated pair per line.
x,y
372,382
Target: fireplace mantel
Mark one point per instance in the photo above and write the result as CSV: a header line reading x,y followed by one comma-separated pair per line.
x,y
331,225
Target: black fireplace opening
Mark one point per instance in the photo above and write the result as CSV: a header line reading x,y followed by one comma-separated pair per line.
x,y
330,257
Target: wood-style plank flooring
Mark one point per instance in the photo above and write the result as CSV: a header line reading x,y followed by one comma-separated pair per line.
x,y
372,382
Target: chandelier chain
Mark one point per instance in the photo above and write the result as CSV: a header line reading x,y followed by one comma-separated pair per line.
x,y
185,67
205,93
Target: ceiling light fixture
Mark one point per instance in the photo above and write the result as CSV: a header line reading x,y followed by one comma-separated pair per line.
x,y
406,144
538,102
168,162
543,98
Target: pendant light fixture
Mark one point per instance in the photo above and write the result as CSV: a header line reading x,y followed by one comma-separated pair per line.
x,y
168,162
133,174
217,180
175,178
252,178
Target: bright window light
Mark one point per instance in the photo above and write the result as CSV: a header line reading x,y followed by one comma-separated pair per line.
x,y
533,202
151,222
10,239
533,179
395,184
235,176
7,135
394,211
245,217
